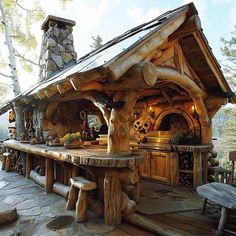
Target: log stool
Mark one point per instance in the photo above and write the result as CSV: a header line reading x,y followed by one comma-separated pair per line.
x,y
6,161
79,188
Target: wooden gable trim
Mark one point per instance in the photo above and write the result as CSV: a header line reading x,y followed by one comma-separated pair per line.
x,y
211,61
119,65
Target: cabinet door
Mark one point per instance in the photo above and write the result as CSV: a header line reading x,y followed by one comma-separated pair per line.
x,y
160,167
144,168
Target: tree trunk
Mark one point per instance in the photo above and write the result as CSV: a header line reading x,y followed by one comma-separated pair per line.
x,y
15,82
118,128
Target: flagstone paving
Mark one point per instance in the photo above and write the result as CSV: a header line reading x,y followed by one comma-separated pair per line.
x,y
42,214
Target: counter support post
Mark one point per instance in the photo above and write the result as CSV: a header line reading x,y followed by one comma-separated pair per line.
x,y
49,175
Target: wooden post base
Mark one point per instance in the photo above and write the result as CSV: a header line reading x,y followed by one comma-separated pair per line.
x,y
8,163
81,206
82,186
72,197
3,162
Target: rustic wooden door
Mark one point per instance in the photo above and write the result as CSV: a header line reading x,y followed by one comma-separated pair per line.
x,y
160,167
156,166
145,168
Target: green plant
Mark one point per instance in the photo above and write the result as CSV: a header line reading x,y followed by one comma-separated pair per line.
x,y
70,138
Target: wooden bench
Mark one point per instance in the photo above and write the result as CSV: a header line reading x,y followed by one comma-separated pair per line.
x,y
79,188
6,161
221,194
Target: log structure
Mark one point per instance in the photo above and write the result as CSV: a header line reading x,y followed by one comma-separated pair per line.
x,y
156,88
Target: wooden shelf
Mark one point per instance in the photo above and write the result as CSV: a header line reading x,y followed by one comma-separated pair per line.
x,y
186,171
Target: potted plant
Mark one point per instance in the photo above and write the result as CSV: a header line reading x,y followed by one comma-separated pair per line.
x,y
72,140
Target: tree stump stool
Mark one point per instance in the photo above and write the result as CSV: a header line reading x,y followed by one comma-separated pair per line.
x,y
79,188
6,161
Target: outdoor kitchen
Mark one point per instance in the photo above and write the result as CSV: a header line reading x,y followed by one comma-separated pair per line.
x,y
139,107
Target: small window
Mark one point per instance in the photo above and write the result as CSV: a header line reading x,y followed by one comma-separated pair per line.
x,y
94,121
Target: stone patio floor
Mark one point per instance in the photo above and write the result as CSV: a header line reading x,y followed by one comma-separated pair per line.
x,y
42,214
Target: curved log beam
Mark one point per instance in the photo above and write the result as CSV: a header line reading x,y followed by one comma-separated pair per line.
x,y
140,76
195,93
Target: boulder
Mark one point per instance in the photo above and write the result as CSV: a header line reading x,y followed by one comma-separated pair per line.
x,y
8,213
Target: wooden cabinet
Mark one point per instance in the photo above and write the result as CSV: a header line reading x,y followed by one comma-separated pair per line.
x,y
157,166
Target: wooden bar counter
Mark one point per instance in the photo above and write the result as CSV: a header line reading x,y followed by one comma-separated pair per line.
x,y
112,173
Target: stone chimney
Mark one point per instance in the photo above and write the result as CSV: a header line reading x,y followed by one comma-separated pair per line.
x,y
57,50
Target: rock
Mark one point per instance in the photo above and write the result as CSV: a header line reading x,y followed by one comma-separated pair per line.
x,y
69,48
61,48
58,60
70,37
7,213
63,35
66,57
69,28
51,43
56,31
74,55
51,65
66,41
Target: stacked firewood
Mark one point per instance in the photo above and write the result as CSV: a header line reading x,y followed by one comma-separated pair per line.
x,y
213,164
17,164
186,179
186,166
185,161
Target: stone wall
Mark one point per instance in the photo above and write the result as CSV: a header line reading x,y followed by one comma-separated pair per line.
x,y
57,50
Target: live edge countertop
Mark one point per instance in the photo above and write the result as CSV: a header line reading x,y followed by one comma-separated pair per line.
x,y
94,155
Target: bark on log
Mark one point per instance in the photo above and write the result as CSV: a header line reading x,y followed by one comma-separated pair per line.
x,y
72,197
28,165
112,199
151,225
37,178
118,128
61,189
127,205
140,76
49,175
129,177
81,206
143,50
131,191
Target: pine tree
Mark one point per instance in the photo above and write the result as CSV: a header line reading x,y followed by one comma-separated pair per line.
x,y
97,42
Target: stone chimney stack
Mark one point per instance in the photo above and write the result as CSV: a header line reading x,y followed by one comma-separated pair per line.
x,y
57,50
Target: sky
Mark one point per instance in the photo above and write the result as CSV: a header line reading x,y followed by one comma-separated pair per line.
x,y
109,18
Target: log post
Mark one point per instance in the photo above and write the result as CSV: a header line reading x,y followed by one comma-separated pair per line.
x,y
72,197
8,163
49,175
197,169
118,128
28,165
112,199
3,162
174,166
81,206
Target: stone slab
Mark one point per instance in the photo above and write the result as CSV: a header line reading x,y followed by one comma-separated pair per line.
x,y
8,213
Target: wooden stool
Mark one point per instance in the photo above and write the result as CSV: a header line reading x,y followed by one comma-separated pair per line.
x,y
6,161
79,188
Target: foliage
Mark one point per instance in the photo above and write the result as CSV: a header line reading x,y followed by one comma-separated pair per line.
x,y
70,138
4,90
229,51
20,21
97,42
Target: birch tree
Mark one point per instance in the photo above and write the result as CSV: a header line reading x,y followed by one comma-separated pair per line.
x,y
16,22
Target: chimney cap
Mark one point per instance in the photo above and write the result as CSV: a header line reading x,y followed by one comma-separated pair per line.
x,y
62,22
